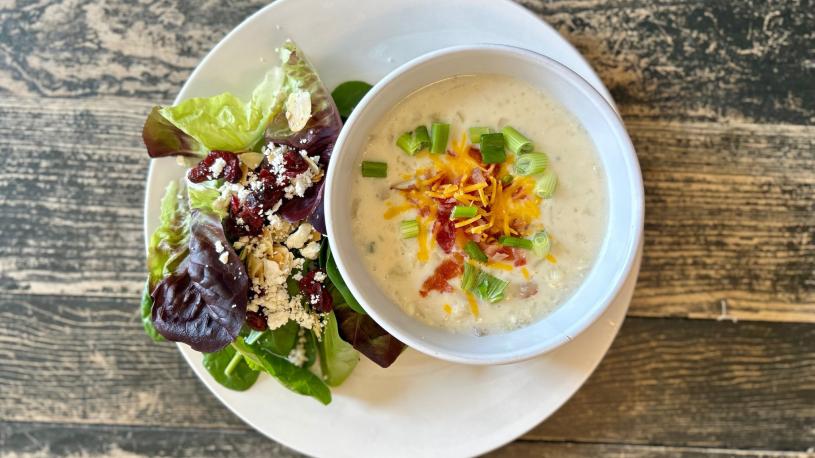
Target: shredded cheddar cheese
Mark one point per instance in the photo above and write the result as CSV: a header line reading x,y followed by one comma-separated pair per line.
x,y
473,304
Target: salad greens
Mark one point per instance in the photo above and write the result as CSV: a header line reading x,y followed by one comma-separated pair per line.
x,y
348,94
240,378
257,182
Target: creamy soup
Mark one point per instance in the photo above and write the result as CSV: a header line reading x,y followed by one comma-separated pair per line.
x,y
423,277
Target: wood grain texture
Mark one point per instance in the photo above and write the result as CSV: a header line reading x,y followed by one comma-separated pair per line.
x,y
730,209
746,385
37,440
664,59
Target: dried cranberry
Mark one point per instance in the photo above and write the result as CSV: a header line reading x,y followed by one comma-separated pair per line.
x,y
256,321
203,171
316,293
294,163
270,192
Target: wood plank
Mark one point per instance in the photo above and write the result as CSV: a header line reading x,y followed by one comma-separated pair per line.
x,y
730,209
34,440
721,384
523,449
665,59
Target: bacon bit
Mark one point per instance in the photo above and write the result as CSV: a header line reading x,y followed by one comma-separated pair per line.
x,y
525,273
444,231
447,309
477,176
394,210
520,259
448,269
473,304
551,259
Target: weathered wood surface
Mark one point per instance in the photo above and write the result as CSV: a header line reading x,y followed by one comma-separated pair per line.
x,y
78,360
719,100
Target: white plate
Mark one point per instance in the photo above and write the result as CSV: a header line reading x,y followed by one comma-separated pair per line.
x,y
419,406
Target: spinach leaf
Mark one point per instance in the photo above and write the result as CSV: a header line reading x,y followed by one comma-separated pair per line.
x,y
337,358
336,279
279,341
203,302
311,349
146,311
347,95
298,379
367,336
241,376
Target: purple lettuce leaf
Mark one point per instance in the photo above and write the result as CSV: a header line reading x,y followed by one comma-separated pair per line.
x,y
317,137
364,334
162,138
203,301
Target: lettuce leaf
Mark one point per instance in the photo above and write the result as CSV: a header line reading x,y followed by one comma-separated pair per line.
x,y
203,301
226,123
317,136
168,244
367,336
337,358
207,196
162,138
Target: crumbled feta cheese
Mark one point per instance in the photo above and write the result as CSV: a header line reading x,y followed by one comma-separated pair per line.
x,y
299,238
297,277
224,257
217,168
311,251
299,184
298,110
219,247
319,276
298,355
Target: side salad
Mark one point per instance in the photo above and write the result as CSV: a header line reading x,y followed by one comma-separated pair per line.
x,y
239,268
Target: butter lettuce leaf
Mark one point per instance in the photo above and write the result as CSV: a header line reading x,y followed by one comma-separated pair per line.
x,y
224,122
168,244
207,196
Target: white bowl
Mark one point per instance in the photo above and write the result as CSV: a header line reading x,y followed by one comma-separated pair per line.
x,y
623,185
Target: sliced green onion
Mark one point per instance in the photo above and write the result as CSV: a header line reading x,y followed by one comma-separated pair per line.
x,y
409,228
463,211
531,164
546,185
439,133
469,281
477,132
492,148
541,244
515,242
516,142
415,141
491,288
373,169
486,286
506,180
474,252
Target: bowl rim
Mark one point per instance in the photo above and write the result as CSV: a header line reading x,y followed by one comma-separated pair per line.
x,y
608,110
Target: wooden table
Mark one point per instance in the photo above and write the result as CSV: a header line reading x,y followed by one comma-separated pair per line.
x,y
717,355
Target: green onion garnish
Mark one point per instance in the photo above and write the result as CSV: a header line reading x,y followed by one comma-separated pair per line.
x,y
491,288
492,148
373,169
409,228
439,133
463,211
484,285
477,132
474,252
515,242
531,164
516,142
506,180
546,185
469,281
541,244
415,141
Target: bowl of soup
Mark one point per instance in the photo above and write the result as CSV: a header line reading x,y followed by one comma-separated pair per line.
x,y
484,204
